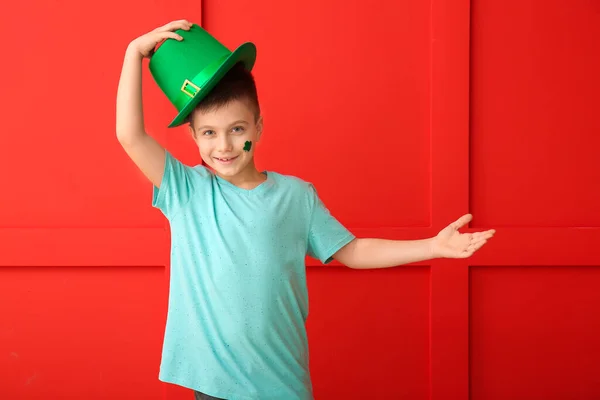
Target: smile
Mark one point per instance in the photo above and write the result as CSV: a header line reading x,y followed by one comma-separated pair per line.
x,y
228,160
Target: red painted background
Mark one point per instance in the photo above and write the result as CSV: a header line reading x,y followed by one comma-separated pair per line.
x,y
405,115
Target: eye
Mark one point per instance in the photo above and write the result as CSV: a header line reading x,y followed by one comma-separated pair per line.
x,y
238,129
207,133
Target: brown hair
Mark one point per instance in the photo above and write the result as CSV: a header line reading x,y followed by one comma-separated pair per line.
x,y
237,84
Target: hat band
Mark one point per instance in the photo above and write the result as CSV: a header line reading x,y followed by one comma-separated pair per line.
x,y
191,87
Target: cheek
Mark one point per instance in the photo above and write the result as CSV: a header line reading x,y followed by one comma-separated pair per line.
x,y
248,146
252,138
204,150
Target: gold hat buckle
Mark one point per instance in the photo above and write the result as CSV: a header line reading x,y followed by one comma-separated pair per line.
x,y
190,88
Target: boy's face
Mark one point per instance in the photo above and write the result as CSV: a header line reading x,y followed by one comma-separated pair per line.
x,y
222,136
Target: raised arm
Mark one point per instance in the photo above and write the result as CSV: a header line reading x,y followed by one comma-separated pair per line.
x,y
143,150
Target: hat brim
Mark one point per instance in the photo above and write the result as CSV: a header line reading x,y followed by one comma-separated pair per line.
x,y
245,53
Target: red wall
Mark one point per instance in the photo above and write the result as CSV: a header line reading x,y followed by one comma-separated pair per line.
x,y
404,114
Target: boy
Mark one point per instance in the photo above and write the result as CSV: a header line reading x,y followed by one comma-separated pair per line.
x,y
238,297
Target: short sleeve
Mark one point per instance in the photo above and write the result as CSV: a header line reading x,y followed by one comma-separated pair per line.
x,y
326,234
176,187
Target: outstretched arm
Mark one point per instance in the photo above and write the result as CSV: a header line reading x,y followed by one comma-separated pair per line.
x,y
382,253
370,253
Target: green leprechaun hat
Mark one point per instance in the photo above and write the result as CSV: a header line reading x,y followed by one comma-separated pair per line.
x,y
187,70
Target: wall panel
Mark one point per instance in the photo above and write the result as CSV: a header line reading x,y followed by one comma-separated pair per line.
x,y
534,332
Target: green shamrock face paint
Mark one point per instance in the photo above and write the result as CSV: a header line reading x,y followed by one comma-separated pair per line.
x,y
247,145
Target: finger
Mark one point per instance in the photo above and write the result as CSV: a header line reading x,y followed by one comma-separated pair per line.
x,y
477,242
478,245
171,35
472,247
483,235
174,25
478,238
162,36
181,24
462,221
163,28
185,25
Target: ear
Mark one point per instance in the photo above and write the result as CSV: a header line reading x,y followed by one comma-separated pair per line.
x,y
192,132
259,128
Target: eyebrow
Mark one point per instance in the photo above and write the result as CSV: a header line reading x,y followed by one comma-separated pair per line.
x,y
240,121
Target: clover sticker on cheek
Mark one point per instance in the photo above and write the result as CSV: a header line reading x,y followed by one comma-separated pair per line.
x,y
247,145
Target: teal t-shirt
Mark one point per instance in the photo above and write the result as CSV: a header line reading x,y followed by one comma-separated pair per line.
x,y
238,299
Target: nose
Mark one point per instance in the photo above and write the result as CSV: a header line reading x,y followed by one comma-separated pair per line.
x,y
224,145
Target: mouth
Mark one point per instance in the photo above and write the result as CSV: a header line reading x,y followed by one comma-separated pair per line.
x,y
225,161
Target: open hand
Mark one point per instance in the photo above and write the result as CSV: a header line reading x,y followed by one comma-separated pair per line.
x,y
146,43
450,243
